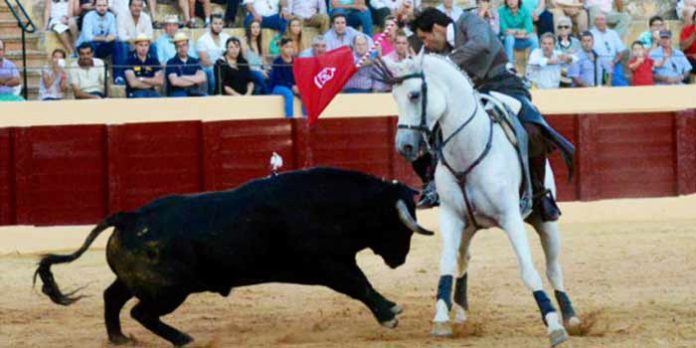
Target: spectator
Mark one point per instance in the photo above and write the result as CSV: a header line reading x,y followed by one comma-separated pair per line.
x,y
516,28
566,43
402,50
651,38
621,21
143,74
573,9
81,9
9,77
402,9
185,74
99,30
58,18
609,48
294,32
356,12
489,14
87,74
313,13
362,81
544,65
54,79
210,47
451,9
281,80
232,71
687,42
641,66
254,53
542,18
386,46
165,45
318,48
184,9
131,25
266,12
589,70
671,65
340,33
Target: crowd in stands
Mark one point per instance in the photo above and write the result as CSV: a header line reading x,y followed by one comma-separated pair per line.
x,y
567,43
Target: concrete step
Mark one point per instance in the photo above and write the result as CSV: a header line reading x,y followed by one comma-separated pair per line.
x,y
8,27
35,59
14,42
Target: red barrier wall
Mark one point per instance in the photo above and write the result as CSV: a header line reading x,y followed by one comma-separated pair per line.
x,y
78,174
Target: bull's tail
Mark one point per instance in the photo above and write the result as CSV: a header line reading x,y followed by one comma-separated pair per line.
x,y
50,287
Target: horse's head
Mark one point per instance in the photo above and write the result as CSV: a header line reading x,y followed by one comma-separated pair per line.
x,y
420,103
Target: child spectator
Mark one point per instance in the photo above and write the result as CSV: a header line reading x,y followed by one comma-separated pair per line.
x,y
516,28
254,53
294,32
651,38
232,71
54,79
58,18
641,65
687,42
281,79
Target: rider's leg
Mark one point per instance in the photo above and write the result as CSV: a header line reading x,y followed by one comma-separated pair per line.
x,y
424,167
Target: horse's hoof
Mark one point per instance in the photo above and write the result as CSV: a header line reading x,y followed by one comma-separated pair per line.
x,y
396,309
390,324
558,336
441,329
573,326
121,340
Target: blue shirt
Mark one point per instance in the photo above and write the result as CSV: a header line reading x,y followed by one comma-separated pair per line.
x,y
95,25
281,74
166,49
589,71
333,40
148,68
178,67
676,65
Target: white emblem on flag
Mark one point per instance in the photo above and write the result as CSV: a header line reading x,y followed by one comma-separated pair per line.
x,y
324,76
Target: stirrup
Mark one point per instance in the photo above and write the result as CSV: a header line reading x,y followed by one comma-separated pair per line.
x,y
429,197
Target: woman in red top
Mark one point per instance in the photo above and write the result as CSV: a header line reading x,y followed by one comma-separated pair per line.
x,y
641,65
687,42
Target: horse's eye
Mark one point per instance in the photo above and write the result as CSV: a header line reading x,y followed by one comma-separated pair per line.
x,y
413,96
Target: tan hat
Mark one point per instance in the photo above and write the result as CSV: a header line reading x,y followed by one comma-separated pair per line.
x,y
180,36
141,37
171,19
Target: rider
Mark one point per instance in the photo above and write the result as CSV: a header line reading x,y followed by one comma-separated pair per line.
x,y
473,46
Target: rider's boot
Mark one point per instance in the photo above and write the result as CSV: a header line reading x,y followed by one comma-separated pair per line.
x,y
424,166
544,203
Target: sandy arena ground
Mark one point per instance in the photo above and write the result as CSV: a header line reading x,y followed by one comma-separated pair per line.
x,y
630,268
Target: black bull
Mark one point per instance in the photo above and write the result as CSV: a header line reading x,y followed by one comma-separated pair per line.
x,y
302,227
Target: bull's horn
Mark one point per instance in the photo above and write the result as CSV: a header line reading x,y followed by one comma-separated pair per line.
x,y
409,221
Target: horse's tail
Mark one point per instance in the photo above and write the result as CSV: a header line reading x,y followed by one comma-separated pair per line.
x,y
50,287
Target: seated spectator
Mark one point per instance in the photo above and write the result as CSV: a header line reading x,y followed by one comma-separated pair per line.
x,y
99,30
362,81
232,71
686,10
340,33
58,18
54,79
451,9
621,21
489,14
9,77
516,28
87,74
566,43
254,53
357,13
402,49
185,74
183,8
130,25
402,9
589,70
318,48
164,44
671,65
641,66
544,65
143,74
573,9
281,80
610,49
313,13
266,12
294,32
81,10
210,47
541,17
651,38
687,42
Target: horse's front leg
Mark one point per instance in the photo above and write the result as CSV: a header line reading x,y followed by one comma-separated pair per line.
x,y
461,303
451,227
514,228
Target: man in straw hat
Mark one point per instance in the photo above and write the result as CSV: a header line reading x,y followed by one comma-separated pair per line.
x,y
129,26
185,75
164,44
143,73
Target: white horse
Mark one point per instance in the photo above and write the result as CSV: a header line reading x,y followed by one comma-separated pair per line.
x,y
430,90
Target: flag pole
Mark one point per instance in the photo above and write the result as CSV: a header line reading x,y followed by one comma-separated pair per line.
x,y
377,42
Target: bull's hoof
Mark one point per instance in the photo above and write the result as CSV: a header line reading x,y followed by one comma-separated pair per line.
x,y
390,324
120,340
183,341
558,336
441,329
573,326
396,309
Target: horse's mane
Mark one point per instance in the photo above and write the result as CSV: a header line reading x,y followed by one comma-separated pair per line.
x,y
385,75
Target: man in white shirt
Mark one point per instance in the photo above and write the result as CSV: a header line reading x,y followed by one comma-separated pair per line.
x,y
312,13
128,27
545,63
210,47
610,49
621,21
268,12
450,9
86,75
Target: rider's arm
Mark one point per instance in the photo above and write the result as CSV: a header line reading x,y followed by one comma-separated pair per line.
x,y
480,36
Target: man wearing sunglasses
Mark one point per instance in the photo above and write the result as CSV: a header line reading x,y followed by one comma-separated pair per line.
x,y
671,65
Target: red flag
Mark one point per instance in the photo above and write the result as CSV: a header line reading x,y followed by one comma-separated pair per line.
x,y
321,78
